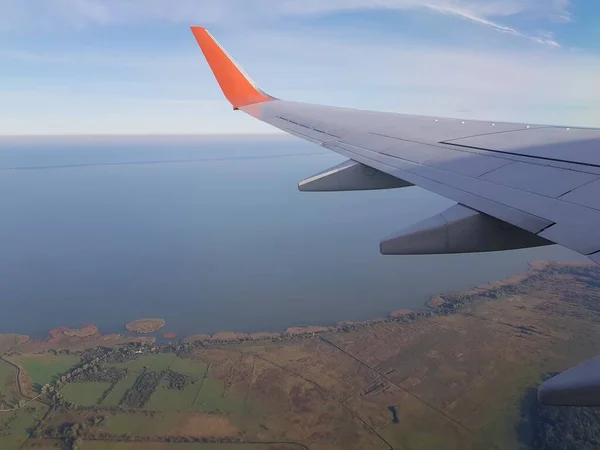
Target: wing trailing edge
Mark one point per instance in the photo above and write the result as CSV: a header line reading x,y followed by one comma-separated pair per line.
x,y
578,386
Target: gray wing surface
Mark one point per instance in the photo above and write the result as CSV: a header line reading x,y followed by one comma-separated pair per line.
x,y
543,179
538,178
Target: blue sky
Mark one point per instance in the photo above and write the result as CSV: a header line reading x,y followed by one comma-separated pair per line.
x,y
133,67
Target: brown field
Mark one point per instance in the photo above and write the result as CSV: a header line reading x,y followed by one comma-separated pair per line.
x,y
228,336
468,371
8,341
197,337
205,425
41,444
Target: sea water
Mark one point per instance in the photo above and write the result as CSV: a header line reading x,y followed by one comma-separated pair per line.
x,y
209,233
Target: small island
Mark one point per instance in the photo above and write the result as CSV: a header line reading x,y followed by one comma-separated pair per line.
x,y
143,326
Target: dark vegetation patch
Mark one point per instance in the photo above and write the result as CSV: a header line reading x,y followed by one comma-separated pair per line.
x,y
101,375
558,427
138,395
178,381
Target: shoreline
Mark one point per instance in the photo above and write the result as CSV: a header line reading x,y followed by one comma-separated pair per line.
x,y
438,304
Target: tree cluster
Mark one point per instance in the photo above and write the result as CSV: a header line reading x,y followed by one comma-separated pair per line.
x,y
6,403
138,395
70,433
178,381
5,424
566,428
90,354
100,375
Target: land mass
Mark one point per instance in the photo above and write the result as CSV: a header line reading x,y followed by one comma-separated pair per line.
x,y
455,375
86,331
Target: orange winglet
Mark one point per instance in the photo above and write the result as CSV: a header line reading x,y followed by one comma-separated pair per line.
x,y
239,89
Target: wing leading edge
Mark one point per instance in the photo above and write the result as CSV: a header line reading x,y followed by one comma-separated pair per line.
x,y
542,179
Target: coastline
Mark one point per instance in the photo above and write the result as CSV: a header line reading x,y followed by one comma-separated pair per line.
x,y
90,335
483,348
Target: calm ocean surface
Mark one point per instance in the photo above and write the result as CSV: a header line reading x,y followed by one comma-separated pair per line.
x,y
210,234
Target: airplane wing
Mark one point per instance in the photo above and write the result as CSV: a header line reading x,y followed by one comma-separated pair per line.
x,y
516,184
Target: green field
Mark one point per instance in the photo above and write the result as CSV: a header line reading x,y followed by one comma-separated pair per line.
x,y
189,367
212,398
43,369
162,361
12,442
84,394
136,365
8,377
41,444
173,399
103,445
116,394
16,424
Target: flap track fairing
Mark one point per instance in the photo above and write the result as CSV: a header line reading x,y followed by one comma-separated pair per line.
x,y
350,176
460,230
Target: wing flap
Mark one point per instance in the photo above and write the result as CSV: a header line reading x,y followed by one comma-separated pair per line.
x,y
469,164
544,180
586,195
561,144
459,230
417,153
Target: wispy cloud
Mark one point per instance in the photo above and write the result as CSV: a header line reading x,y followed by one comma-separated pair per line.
x,y
450,77
58,14
177,94
482,12
542,38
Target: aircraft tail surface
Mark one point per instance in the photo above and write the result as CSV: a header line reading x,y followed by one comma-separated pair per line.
x,y
237,87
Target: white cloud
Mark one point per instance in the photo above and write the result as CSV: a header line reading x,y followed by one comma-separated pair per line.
x,y
58,14
542,85
120,91
176,93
